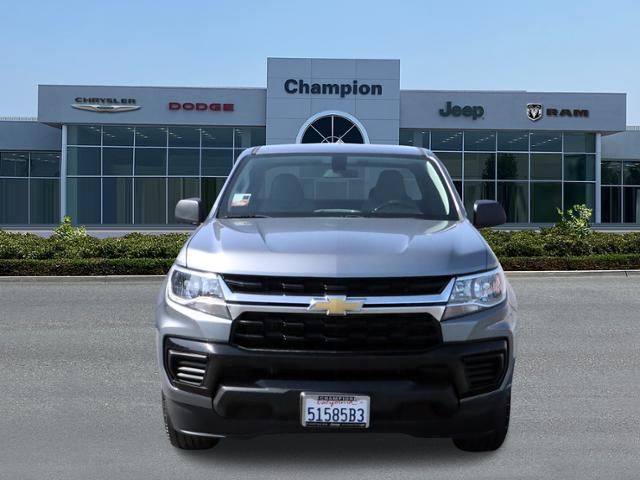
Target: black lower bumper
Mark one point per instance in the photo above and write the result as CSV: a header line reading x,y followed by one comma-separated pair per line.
x,y
431,393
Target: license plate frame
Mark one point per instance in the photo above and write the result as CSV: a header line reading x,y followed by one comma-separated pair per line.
x,y
353,411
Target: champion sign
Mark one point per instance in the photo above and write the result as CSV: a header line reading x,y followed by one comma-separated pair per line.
x,y
201,106
300,87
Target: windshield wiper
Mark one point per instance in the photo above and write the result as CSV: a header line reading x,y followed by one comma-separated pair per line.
x,y
246,216
396,215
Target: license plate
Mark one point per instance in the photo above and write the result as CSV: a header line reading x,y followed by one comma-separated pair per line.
x,y
334,410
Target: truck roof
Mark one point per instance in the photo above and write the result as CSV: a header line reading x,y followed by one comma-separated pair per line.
x,y
344,148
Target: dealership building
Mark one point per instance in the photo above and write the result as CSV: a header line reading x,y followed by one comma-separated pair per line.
x,y
118,156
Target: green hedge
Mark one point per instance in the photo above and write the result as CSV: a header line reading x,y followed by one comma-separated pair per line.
x,y
133,245
554,243
160,266
137,253
592,262
548,243
86,266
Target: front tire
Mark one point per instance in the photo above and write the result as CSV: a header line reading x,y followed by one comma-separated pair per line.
x,y
183,440
490,441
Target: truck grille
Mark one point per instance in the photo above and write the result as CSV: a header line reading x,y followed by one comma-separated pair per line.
x,y
310,286
316,332
187,367
484,371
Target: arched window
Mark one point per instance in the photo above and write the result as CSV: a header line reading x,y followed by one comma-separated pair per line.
x,y
332,129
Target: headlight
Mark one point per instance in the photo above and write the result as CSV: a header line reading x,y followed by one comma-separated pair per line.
x,y
197,290
476,292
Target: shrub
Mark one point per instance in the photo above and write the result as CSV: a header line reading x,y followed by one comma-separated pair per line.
x,y
86,266
576,221
66,230
70,251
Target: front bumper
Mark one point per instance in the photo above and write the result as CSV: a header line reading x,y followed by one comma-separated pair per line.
x,y
246,393
422,394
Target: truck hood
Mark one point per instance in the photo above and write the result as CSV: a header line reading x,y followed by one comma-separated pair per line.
x,y
338,247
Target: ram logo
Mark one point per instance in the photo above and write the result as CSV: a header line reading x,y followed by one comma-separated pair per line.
x,y
534,111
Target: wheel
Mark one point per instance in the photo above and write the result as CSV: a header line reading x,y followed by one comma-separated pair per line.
x,y
183,440
491,441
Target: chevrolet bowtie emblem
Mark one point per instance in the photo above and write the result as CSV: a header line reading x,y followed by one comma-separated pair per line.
x,y
335,305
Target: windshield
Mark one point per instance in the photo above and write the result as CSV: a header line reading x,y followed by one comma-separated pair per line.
x,y
337,185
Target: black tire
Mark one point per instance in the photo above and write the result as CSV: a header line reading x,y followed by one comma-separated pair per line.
x,y
182,440
491,441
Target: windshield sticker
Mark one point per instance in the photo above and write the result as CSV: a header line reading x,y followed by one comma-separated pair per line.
x,y
240,199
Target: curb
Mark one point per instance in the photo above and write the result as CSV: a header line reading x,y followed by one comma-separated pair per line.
x,y
158,278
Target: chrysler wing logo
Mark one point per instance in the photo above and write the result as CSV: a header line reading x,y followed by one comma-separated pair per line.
x,y
335,305
534,111
96,107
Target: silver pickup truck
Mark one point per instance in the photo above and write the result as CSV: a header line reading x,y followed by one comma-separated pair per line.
x,y
337,288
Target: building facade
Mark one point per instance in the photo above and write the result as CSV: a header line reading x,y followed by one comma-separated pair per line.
x,y
115,156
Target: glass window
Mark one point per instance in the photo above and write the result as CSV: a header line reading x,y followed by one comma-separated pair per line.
x,y
479,140
250,137
151,161
580,142
45,201
150,201
513,140
83,135
514,197
579,193
579,167
236,153
83,200
453,162
477,191
611,173
45,164
546,166
117,201
184,137
446,140
546,198
631,172
14,164
184,161
217,137
479,165
405,137
610,201
210,188
178,189
216,162
117,136
631,205
458,185
308,185
14,201
513,166
413,137
117,161
83,161
151,136
546,141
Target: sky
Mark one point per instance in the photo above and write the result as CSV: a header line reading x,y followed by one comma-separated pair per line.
x,y
581,46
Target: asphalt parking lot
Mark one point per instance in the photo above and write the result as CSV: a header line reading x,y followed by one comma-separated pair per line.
x,y
79,395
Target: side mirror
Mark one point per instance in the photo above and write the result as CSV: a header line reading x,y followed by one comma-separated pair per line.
x,y
488,213
189,210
